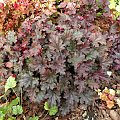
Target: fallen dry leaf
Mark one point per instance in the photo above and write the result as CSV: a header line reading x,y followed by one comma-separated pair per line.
x,y
104,97
110,104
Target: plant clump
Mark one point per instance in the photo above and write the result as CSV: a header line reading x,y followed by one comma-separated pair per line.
x,y
61,58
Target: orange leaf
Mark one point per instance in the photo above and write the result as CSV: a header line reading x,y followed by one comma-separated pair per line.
x,y
110,104
104,97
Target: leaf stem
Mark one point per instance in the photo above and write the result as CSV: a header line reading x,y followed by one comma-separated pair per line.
x,y
45,116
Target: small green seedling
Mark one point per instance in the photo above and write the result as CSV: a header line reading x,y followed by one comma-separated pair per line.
x,y
10,108
17,110
52,110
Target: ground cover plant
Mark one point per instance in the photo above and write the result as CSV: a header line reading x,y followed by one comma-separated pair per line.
x,y
61,54
8,109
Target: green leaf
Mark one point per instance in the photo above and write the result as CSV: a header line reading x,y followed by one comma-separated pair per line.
x,y
99,14
14,102
1,118
46,106
11,118
17,110
3,110
2,115
53,110
34,118
112,4
11,83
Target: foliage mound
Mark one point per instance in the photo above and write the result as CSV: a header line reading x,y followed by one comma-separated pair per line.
x,y
61,58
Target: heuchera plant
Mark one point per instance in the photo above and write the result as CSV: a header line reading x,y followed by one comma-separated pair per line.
x,y
14,12
62,58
